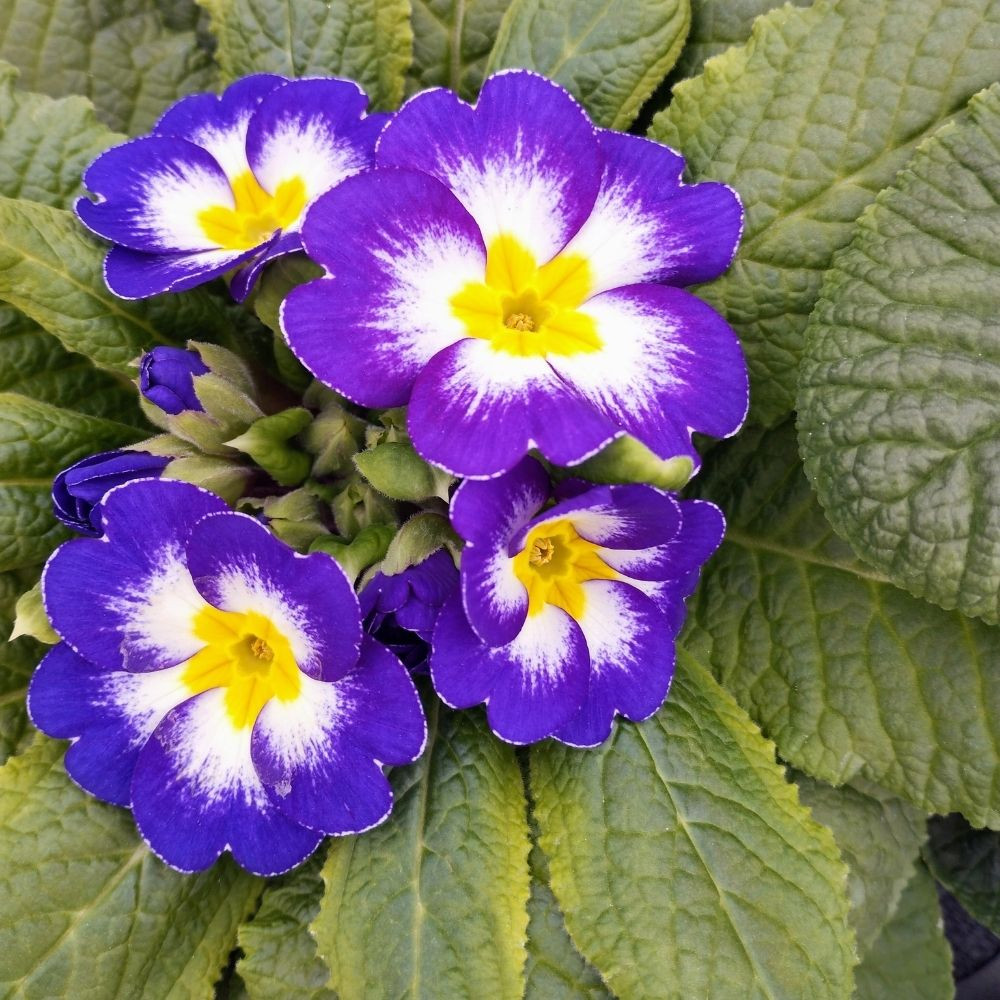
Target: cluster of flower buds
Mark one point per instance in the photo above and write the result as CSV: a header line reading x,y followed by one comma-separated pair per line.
x,y
461,464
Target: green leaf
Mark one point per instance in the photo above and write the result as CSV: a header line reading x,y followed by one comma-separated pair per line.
x,y
87,911
266,441
369,41
45,145
122,54
17,661
879,837
452,40
280,277
684,863
808,121
51,270
37,441
716,25
900,389
628,460
846,673
33,363
279,954
31,619
555,969
967,862
395,469
433,902
609,56
911,957
421,536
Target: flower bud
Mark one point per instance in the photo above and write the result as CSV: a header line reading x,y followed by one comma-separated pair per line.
x,y
166,378
77,492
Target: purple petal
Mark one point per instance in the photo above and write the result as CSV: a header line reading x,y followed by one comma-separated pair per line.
x,y
152,190
525,161
195,794
476,411
399,246
134,275
631,661
647,226
246,277
320,754
127,601
239,566
670,365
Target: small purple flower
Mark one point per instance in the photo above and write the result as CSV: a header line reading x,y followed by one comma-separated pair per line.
x,y
567,617
166,378
77,492
510,272
400,609
223,181
218,683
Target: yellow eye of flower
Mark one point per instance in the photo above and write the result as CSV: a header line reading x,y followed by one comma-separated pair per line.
x,y
246,655
257,215
528,310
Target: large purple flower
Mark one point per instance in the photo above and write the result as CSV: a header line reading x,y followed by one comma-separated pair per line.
x,y
223,182
218,683
567,615
508,273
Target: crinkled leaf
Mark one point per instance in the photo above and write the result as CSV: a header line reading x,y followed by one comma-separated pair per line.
x,y
279,954
808,121
846,673
879,837
433,902
37,441
33,363
718,24
684,863
967,862
86,911
555,969
123,54
900,389
910,958
17,660
452,40
46,144
51,269
610,56
369,41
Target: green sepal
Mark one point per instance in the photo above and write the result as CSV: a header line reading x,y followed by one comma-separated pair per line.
x,y
366,549
395,469
357,505
266,442
627,460
419,538
279,279
296,517
30,617
334,436
222,476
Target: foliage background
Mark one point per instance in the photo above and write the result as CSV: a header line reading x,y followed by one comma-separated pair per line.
x,y
848,626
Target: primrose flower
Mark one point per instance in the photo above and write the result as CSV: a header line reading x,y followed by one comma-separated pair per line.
x,y
218,683
77,492
223,181
507,273
166,378
567,615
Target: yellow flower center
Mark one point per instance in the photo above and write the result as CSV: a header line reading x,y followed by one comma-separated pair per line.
x,y
555,563
246,655
527,310
257,215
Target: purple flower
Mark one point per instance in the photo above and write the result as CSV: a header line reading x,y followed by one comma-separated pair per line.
x,y
508,273
77,492
218,683
166,378
567,617
401,609
223,181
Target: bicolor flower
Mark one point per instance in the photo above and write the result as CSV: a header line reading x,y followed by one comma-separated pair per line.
x,y
509,273
166,378
400,609
77,492
218,683
223,181
567,614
